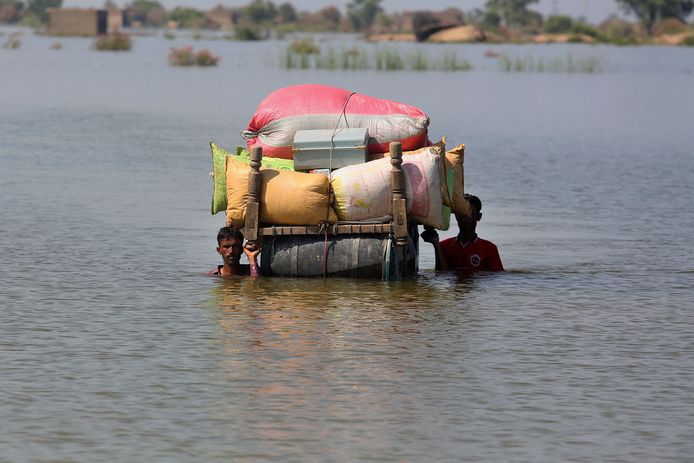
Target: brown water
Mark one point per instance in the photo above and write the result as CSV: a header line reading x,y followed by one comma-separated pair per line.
x,y
114,346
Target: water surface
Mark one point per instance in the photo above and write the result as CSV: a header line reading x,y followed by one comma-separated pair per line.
x,y
114,346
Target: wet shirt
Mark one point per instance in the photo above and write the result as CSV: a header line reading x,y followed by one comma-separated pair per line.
x,y
244,268
477,255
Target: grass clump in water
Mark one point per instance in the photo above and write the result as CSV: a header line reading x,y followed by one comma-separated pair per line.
x,y
206,58
310,56
12,42
584,65
389,59
185,56
113,42
450,62
419,61
304,46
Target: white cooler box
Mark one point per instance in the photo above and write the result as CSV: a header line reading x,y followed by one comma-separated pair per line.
x,y
311,148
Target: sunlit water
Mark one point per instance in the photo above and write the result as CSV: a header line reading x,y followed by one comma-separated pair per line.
x,y
114,346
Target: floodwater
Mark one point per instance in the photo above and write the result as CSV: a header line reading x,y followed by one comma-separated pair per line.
x,y
114,345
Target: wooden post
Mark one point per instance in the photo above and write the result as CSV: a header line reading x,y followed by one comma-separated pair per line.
x,y
398,185
253,205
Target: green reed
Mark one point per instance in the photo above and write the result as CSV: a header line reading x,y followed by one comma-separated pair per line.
x,y
13,42
450,62
418,61
113,42
302,55
590,64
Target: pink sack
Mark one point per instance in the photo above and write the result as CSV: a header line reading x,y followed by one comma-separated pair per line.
x,y
310,106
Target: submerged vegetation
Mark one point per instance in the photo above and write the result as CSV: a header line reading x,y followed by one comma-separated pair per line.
x,y
13,42
113,42
581,65
305,54
185,56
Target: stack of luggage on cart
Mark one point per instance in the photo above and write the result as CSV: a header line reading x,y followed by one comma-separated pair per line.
x,y
335,183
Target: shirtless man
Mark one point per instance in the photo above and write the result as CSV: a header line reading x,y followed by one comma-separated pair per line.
x,y
230,247
467,251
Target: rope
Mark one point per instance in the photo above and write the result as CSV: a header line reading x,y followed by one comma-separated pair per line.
x,y
343,114
325,255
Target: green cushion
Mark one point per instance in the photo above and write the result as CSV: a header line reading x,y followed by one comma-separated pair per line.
x,y
219,155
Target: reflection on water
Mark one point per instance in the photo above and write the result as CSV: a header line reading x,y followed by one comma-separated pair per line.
x,y
114,346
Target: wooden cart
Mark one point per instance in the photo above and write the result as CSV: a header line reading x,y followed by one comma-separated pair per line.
x,y
387,251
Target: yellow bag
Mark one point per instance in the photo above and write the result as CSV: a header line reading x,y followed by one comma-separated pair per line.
x,y
455,159
286,197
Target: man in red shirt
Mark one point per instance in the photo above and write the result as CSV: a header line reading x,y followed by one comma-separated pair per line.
x,y
467,251
230,247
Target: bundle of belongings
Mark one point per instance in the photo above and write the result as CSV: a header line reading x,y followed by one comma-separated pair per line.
x,y
288,123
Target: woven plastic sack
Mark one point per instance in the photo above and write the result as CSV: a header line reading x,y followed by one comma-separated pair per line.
x,y
286,197
446,170
363,191
310,106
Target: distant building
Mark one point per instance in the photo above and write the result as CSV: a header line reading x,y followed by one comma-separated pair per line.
x,y
83,22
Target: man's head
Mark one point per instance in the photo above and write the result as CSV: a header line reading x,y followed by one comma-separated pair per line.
x,y
230,245
468,224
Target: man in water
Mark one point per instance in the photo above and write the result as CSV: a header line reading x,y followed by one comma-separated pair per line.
x,y
467,251
230,247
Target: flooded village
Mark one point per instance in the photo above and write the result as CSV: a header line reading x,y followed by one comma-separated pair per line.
x,y
496,22
143,143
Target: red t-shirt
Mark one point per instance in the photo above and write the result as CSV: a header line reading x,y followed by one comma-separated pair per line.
x,y
477,255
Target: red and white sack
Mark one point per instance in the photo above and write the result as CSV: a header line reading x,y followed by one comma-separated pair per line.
x,y
310,106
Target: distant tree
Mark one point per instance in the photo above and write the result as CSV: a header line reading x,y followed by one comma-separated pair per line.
x,y
362,13
650,12
329,15
491,20
148,12
558,24
619,31
453,14
286,13
187,17
110,5
38,7
10,11
259,11
513,12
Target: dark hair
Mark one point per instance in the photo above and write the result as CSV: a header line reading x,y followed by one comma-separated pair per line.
x,y
474,201
229,233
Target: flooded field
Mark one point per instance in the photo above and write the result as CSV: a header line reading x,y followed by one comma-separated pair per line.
x,y
114,345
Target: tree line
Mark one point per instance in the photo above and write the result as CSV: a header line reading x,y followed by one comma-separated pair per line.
x,y
360,15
